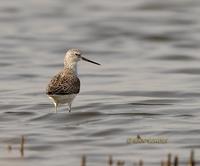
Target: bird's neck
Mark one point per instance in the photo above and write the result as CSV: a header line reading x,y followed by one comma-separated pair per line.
x,y
71,66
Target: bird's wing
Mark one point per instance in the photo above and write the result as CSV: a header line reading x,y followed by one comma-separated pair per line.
x,y
63,84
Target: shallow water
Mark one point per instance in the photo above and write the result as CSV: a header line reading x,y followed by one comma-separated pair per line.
x,y
148,83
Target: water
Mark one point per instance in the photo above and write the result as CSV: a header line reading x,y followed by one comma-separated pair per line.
x,y
148,83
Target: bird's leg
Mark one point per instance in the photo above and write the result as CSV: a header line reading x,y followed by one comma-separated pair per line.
x,y
56,106
70,106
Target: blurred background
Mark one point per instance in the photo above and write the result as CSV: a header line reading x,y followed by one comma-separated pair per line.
x,y
148,83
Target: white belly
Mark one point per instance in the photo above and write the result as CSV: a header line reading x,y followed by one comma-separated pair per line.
x,y
62,99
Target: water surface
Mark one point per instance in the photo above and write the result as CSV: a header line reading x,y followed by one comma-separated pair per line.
x,y
148,83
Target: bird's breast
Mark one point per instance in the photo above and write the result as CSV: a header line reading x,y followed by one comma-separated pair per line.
x,y
62,99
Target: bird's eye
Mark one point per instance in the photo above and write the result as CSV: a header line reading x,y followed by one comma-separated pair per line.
x,y
77,54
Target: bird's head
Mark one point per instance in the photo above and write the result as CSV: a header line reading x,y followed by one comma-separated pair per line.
x,y
73,56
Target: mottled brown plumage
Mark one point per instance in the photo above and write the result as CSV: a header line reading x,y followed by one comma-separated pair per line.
x,y
64,83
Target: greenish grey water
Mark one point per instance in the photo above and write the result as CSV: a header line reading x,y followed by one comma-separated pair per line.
x,y
148,83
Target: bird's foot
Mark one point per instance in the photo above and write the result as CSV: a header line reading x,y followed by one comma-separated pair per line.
x,y
70,107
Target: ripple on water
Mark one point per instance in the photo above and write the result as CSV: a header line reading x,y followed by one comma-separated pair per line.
x,y
107,132
27,75
5,64
67,117
158,37
11,106
13,116
20,113
157,102
188,71
159,94
175,57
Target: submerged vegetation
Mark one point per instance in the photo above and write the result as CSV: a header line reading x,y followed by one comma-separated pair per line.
x,y
21,148
170,161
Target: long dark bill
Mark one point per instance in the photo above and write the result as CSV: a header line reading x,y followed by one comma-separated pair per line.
x,y
85,59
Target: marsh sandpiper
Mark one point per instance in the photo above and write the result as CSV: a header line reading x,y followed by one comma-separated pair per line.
x,y
64,86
